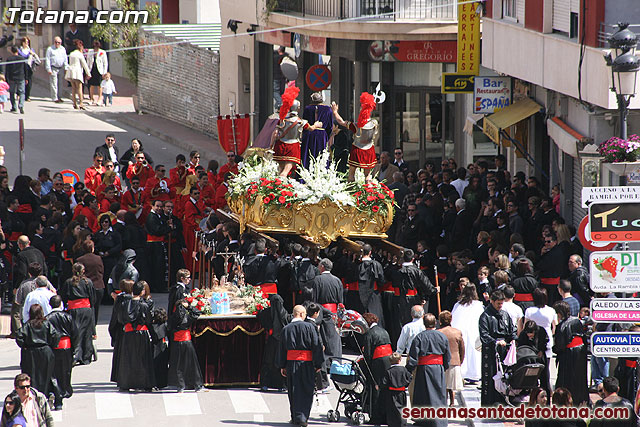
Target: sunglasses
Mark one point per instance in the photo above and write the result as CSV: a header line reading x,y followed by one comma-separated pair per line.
x,y
195,193
197,157
110,140
24,387
162,170
231,155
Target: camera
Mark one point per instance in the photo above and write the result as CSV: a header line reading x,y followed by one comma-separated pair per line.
x,y
144,163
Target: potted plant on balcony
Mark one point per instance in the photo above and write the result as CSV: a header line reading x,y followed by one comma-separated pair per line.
x,y
621,156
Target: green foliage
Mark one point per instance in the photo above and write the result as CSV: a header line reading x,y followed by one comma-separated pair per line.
x,y
126,35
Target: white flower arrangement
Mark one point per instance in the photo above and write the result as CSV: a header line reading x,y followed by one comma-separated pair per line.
x,y
249,172
323,181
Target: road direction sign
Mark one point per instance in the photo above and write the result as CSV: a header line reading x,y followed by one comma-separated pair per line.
x,y
614,344
615,271
318,77
614,310
609,195
584,235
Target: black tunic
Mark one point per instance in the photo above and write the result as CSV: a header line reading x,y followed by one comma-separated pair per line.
x,y
273,319
408,278
184,368
627,374
300,335
174,249
375,337
161,355
326,289
430,387
157,228
524,285
135,364
65,326
370,273
36,356
83,318
176,293
304,272
396,377
116,331
110,245
572,362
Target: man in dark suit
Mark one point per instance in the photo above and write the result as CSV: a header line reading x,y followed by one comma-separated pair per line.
x,y
26,255
326,289
109,151
412,229
461,227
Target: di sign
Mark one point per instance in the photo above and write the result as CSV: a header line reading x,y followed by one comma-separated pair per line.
x,y
611,222
615,271
613,344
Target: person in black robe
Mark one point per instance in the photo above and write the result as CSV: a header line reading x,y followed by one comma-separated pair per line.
x,y
568,345
116,327
36,339
429,357
175,242
627,374
274,318
326,289
135,239
135,364
496,331
524,284
370,274
79,296
161,348
300,356
348,265
376,351
180,290
157,231
108,245
284,267
536,337
304,273
261,271
411,287
390,265
63,351
395,382
124,270
184,368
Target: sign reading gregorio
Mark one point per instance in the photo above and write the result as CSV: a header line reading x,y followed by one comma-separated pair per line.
x,y
413,51
615,271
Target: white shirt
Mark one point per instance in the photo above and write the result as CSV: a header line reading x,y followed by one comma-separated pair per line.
x,y
56,57
460,185
544,317
514,311
409,332
37,296
108,87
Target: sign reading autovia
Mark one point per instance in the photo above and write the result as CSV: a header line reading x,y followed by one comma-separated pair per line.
x,y
615,271
612,344
615,222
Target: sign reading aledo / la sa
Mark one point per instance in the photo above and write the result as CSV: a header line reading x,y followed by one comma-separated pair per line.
x,y
615,222
615,271
610,195
613,310
613,344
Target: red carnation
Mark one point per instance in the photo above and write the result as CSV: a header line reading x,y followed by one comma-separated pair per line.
x,y
282,200
380,196
288,205
259,307
277,181
199,308
375,208
266,200
200,303
190,300
371,198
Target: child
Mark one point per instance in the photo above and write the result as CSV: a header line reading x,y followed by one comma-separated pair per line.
x,y
4,92
160,347
108,89
184,369
483,287
395,382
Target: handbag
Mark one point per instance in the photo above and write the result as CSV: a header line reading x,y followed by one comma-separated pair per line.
x,y
511,357
67,74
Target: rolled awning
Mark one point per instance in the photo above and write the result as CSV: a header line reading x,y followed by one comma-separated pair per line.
x,y
565,138
509,116
471,121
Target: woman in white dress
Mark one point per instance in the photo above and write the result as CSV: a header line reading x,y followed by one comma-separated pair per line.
x,y
76,73
466,317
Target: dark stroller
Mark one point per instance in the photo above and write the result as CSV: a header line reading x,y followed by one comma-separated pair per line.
x,y
350,382
514,382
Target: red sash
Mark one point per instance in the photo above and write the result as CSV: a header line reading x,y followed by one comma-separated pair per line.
x,y
182,335
523,297
331,307
66,257
388,287
575,342
550,280
442,276
382,351
353,286
79,303
26,208
128,327
268,289
303,355
397,388
631,363
410,292
430,359
64,343
151,238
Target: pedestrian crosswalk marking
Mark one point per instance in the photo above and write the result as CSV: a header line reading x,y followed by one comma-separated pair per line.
x,y
248,402
321,405
181,403
110,405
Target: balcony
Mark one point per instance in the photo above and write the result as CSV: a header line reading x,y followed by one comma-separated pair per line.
x,y
370,10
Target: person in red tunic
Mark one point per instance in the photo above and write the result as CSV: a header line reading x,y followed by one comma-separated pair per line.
x,y
285,140
220,201
109,177
93,174
183,196
207,192
158,188
141,169
194,162
178,175
133,199
90,209
212,173
194,212
108,197
230,166
365,130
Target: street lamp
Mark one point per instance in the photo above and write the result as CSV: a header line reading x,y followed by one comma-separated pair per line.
x,y
624,70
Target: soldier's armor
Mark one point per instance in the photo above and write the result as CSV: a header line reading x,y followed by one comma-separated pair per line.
x,y
366,136
290,129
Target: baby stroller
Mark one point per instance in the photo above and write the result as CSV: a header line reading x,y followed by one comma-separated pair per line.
x,y
515,382
350,382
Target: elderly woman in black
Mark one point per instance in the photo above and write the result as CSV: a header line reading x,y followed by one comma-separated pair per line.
x,y
108,244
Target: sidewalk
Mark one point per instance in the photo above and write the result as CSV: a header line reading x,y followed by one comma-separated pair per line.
x,y
122,111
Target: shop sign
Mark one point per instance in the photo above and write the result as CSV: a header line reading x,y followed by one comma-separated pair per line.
x,y
610,195
614,310
584,235
314,44
614,271
491,94
468,57
275,37
457,83
615,222
413,51
615,344
633,176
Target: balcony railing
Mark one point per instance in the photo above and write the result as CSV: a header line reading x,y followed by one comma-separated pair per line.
x,y
442,10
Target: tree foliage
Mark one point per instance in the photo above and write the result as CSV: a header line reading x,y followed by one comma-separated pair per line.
x,y
126,35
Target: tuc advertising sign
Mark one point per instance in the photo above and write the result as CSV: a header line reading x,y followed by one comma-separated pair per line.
x,y
491,94
614,310
619,222
615,271
612,344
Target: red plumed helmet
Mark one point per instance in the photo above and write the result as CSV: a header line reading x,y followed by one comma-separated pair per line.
x,y
367,105
290,94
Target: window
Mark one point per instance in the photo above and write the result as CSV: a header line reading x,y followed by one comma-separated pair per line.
x,y
509,9
26,29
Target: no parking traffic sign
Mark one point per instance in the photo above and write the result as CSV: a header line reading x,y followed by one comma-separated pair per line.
x,y
318,77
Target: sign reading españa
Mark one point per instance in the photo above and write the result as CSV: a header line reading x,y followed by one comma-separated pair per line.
x,y
468,38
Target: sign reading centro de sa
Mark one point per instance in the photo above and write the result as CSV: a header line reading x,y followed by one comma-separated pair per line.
x,y
613,344
615,271
613,310
614,222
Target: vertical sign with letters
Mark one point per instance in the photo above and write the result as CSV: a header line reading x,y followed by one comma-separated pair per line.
x,y
468,38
